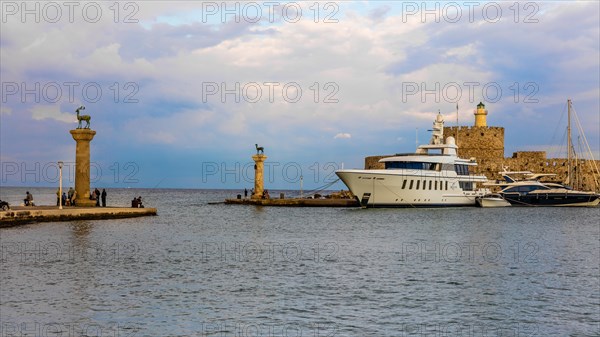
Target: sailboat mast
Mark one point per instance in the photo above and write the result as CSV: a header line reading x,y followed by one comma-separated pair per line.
x,y
569,144
456,133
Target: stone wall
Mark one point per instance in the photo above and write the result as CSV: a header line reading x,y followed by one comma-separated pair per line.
x,y
478,142
539,155
372,162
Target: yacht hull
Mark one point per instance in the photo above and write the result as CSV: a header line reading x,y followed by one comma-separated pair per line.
x,y
378,189
553,199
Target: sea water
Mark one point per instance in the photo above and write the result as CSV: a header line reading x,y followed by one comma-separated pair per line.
x,y
202,269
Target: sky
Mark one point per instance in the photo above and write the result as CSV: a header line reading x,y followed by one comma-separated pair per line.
x,y
179,92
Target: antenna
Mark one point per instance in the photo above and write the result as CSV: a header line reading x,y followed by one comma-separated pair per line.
x,y
417,137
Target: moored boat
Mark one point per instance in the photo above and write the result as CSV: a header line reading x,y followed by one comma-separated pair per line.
x,y
530,191
433,176
492,200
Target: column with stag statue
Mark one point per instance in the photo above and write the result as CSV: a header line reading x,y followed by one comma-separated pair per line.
x,y
83,135
259,168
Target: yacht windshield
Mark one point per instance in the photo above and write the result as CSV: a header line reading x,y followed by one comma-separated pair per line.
x,y
525,188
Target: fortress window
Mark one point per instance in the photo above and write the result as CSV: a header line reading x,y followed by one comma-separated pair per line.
x,y
482,134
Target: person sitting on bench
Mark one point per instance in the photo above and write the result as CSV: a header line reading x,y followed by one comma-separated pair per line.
x,y
28,201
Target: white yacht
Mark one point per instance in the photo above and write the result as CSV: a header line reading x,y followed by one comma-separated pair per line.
x,y
433,176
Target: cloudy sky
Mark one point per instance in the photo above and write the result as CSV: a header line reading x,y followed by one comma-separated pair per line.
x,y
179,92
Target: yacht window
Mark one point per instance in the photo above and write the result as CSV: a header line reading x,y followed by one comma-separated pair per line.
x,y
430,184
409,165
446,185
411,184
436,184
447,167
461,170
404,184
466,185
418,184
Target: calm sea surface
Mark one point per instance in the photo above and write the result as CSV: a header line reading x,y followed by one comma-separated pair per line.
x,y
215,270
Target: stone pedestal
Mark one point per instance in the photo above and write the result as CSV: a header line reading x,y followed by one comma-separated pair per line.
x,y
259,168
83,137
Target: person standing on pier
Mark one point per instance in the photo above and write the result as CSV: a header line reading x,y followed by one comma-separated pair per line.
x,y
103,197
97,194
245,193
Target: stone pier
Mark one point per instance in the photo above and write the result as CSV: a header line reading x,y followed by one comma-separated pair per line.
x,y
83,137
20,215
259,168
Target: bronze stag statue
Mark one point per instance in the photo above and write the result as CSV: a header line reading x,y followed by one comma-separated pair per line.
x,y
259,149
81,118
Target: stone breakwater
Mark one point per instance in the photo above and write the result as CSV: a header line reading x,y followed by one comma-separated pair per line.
x,y
22,215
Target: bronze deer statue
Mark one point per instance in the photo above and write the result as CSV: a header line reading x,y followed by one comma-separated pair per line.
x,y
81,118
259,149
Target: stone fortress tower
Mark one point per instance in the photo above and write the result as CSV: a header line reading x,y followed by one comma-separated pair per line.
x,y
486,144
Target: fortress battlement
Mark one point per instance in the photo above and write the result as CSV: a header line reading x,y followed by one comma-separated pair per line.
x,y
472,128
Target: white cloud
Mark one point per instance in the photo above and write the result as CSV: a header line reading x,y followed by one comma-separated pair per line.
x,y
40,112
342,136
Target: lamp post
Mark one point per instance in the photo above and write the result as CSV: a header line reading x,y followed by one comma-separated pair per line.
x,y
60,165
301,192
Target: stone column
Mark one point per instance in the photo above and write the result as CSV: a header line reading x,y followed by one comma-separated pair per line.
x,y
259,168
83,137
